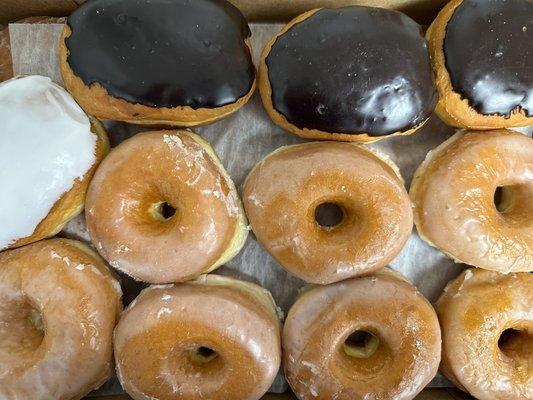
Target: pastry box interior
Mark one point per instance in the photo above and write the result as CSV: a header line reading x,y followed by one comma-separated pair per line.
x,y
263,135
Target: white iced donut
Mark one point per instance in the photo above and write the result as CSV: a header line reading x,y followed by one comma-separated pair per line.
x,y
49,150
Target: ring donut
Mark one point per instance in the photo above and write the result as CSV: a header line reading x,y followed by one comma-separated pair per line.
x,y
481,58
372,337
158,62
487,334
161,208
350,74
46,161
58,307
371,217
455,192
214,338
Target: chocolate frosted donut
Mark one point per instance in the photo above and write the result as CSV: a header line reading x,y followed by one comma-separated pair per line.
x,y
481,54
158,62
352,73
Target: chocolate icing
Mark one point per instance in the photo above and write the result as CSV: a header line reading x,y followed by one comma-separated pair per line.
x,y
489,56
352,70
162,53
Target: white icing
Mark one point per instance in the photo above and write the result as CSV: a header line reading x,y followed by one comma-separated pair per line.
x,y
46,144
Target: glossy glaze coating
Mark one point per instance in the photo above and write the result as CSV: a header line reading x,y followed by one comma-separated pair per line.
x,y
177,167
158,334
58,308
282,192
474,310
386,305
162,53
488,55
352,70
453,194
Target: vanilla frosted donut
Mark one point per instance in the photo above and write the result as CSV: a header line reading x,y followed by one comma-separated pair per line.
x,y
49,150
58,307
487,334
161,208
455,192
214,338
369,209
372,337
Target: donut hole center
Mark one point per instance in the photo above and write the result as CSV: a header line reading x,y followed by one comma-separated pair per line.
x,y
329,215
163,211
517,344
24,326
361,344
202,355
498,201
513,202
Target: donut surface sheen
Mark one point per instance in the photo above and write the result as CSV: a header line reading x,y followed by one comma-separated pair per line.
x,y
456,210
319,364
283,192
161,53
215,338
489,55
143,179
58,307
351,70
487,334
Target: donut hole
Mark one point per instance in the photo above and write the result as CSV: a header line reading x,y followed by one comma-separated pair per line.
x,y
329,215
202,355
513,202
163,211
498,199
517,344
24,325
361,344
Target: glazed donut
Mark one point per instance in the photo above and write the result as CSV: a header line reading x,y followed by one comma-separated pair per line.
x,y
487,334
351,74
372,337
158,62
161,208
481,57
58,306
49,150
454,193
328,211
6,65
214,338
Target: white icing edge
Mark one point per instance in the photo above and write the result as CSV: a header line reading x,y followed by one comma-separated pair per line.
x,y
46,144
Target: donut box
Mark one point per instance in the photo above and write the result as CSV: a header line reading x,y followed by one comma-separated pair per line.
x,y
35,51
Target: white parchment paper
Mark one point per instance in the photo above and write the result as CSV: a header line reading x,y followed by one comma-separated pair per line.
x,y
241,141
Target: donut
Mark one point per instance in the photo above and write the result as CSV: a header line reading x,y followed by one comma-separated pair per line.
x,y
59,304
6,65
487,334
481,57
215,338
472,198
371,337
161,208
49,150
158,62
328,211
350,74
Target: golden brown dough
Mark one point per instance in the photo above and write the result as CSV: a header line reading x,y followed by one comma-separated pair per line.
x,y
452,108
372,337
215,338
59,304
162,208
453,192
487,334
283,192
